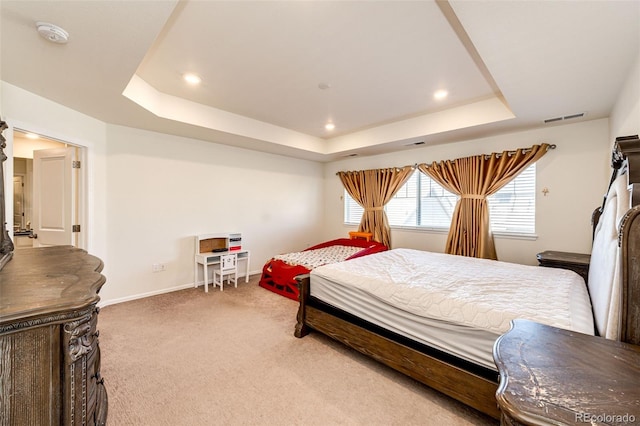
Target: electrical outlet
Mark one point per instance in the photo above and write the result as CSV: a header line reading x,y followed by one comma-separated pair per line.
x,y
158,267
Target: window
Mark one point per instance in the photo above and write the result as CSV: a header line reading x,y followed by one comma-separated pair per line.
x,y
512,209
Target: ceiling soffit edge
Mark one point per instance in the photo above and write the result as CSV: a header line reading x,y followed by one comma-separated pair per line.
x,y
192,113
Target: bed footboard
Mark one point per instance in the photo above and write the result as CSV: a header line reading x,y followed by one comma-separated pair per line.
x,y
303,287
468,387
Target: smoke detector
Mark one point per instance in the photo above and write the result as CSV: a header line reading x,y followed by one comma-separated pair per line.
x,y
53,33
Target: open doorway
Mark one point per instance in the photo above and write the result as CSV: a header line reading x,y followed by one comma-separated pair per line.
x,y
47,191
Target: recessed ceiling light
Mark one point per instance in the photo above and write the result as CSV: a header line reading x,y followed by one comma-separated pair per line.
x,y
329,126
32,136
192,78
440,94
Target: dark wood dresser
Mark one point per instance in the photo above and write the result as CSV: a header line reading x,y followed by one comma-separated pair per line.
x,y
49,353
550,376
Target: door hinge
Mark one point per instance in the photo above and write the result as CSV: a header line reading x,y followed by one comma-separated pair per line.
x,y
75,164
75,228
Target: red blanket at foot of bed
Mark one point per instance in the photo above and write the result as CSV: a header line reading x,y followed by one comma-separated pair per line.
x,y
279,276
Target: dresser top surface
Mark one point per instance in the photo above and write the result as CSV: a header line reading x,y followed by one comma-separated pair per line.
x,y
39,281
554,376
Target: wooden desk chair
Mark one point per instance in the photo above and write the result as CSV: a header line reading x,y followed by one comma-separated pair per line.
x,y
227,268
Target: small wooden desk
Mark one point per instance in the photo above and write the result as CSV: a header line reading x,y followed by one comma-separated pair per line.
x,y
213,258
550,376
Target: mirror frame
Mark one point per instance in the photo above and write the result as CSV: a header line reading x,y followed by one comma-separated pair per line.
x,y
6,245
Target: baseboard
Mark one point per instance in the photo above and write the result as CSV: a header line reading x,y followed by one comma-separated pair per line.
x,y
103,303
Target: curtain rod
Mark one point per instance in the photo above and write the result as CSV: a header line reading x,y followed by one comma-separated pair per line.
x,y
550,146
499,154
415,165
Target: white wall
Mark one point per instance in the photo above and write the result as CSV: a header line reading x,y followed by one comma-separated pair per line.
x,y
23,147
24,110
149,193
625,117
576,174
163,190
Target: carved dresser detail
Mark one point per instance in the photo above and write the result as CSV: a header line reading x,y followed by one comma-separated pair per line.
x,y
49,352
550,376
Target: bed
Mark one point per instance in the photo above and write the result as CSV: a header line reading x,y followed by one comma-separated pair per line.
x,y
278,274
447,344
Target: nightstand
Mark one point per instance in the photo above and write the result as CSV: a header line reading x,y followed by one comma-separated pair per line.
x,y
550,376
576,262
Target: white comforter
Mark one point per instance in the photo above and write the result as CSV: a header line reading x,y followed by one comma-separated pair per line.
x,y
472,292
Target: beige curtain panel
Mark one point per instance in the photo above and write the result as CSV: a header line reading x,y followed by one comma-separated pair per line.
x,y
474,179
372,189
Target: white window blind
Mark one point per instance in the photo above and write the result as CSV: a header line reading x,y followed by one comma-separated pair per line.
x,y
436,204
352,210
423,203
401,209
513,208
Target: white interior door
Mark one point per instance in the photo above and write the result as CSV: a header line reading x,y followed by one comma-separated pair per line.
x,y
18,203
54,196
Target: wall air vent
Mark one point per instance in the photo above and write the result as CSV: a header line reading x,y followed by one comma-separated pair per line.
x,y
566,117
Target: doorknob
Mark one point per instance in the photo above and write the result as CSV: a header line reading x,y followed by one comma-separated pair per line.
x,y
33,236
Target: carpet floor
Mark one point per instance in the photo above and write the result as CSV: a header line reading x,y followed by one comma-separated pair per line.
x,y
230,358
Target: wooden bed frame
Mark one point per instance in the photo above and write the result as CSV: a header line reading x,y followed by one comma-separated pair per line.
x,y
471,384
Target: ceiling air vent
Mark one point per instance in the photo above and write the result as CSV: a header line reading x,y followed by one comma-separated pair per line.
x,y
578,115
566,117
